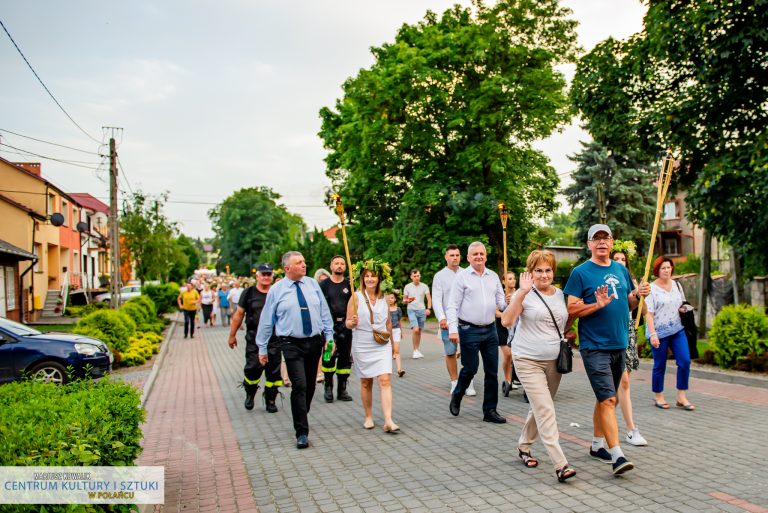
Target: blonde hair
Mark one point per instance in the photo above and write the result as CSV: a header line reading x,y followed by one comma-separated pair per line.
x,y
540,255
365,273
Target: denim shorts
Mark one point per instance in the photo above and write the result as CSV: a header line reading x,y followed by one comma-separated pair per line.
x,y
417,317
604,370
449,347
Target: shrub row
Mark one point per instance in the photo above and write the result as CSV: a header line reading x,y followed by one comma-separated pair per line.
x,y
81,423
739,338
164,296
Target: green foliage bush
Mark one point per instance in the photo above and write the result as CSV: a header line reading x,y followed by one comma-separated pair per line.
x,y
81,311
141,349
81,423
145,302
164,296
136,312
739,337
112,327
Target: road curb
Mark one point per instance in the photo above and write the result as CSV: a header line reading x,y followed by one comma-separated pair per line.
x,y
159,363
723,376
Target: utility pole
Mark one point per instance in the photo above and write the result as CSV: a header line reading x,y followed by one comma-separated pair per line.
x,y
601,203
114,227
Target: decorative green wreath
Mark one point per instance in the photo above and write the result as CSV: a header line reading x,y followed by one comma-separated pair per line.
x,y
627,247
381,269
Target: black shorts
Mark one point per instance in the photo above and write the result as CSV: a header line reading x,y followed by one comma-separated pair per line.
x,y
604,369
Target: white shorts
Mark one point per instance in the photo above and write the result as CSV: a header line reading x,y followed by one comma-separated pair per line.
x,y
397,335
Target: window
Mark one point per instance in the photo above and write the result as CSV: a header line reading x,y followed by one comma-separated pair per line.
x,y
10,288
670,243
671,210
51,204
65,212
75,218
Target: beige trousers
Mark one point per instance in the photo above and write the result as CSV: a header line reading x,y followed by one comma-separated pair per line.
x,y
540,380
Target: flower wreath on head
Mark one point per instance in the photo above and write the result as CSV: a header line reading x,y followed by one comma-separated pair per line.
x,y
628,247
381,269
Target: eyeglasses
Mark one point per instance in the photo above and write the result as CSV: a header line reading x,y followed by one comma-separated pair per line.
x,y
543,271
600,239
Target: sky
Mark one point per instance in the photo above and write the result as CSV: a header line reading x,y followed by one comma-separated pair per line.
x,y
211,97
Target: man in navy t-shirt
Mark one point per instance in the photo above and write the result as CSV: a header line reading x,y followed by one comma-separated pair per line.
x,y
601,293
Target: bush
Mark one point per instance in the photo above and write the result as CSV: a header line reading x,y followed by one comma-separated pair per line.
x,y
136,312
146,303
81,311
739,337
141,348
164,296
113,327
81,423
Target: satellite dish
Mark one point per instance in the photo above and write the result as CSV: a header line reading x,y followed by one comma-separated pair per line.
x,y
99,220
57,219
82,227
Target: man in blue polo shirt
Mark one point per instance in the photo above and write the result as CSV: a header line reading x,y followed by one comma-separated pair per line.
x,y
601,293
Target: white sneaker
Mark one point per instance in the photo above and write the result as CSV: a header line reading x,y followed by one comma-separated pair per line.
x,y
417,354
513,386
471,392
453,385
635,438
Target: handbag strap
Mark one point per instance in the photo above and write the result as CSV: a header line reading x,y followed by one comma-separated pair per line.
x,y
550,314
368,304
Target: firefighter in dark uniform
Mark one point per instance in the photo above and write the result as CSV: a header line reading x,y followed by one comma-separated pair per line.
x,y
337,292
249,307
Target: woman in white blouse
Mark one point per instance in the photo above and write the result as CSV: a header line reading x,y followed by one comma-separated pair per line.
x,y
665,331
536,345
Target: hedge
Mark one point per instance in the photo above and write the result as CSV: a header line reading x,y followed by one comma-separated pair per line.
x,y
81,423
164,296
111,327
739,338
141,348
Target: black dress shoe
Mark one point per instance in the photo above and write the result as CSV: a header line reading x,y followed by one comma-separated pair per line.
x,y
493,416
302,442
505,388
455,404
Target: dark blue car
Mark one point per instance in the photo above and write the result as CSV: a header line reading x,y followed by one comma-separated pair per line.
x,y
49,357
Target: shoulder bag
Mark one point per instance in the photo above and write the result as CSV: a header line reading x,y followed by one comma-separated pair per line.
x,y
688,319
565,356
381,337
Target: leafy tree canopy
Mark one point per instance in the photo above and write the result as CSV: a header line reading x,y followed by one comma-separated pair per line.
x,y
149,236
251,227
694,80
426,141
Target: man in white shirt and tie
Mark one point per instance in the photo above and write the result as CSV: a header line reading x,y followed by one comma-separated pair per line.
x,y
471,312
441,289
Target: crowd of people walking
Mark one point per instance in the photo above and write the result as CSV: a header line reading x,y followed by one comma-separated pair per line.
x,y
331,327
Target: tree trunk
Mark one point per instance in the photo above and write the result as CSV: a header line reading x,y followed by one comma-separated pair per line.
x,y
736,277
704,275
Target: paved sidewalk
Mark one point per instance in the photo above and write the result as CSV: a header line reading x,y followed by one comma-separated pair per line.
x,y
220,457
189,432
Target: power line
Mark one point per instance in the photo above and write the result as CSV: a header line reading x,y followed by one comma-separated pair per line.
x,y
52,143
124,176
44,86
76,163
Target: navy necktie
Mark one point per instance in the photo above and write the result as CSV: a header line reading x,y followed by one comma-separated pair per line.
x,y
306,320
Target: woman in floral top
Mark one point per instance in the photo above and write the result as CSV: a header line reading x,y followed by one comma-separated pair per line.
x,y
665,331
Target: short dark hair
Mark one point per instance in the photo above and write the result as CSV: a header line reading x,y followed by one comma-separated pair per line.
x,y
413,271
334,257
451,247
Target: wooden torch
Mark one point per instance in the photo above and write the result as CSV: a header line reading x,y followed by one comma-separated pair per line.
x,y
504,216
340,213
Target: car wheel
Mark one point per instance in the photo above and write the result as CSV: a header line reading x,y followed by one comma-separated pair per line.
x,y
49,372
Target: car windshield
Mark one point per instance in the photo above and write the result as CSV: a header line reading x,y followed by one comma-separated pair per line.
x,y
17,329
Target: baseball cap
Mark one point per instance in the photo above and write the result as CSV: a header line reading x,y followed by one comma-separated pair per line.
x,y
264,268
595,228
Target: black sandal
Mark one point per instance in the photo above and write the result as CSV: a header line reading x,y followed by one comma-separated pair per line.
x,y
564,473
528,460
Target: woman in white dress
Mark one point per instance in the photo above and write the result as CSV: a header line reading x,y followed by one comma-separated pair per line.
x,y
371,359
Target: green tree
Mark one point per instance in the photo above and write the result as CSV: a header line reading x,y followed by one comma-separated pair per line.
x,y
186,259
251,227
630,197
694,80
318,250
426,141
560,229
148,235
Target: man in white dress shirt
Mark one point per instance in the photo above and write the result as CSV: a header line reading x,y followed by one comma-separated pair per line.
x,y
471,312
441,289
